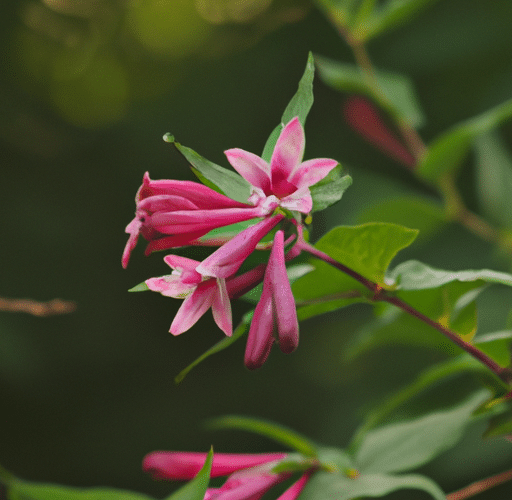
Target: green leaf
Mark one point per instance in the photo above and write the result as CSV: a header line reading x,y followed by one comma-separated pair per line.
x,y
227,182
329,486
24,490
447,152
494,178
299,105
409,444
393,13
219,346
395,93
424,215
462,364
196,489
328,193
367,249
414,275
500,425
228,231
141,287
497,346
268,429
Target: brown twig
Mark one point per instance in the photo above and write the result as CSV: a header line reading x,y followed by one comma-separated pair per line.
x,y
480,486
37,308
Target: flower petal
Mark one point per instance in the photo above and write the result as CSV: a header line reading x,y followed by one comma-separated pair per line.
x,y
133,230
260,338
299,201
293,492
287,155
229,257
174,465
251,167
312,171
170,286
285,311
193,307
221,308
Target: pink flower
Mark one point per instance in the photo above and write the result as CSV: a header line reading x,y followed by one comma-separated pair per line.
x,y
286,180
173,213
226,260
275,311
250,475
199,293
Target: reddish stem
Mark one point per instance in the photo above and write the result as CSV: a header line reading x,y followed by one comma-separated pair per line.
x,y
483,485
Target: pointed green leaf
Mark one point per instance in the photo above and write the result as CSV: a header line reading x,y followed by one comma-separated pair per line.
x,y
447,152
494,178
411,443
196,489
226,181
331,486
462,364
299,105
273,431
391,14
425,215
414,275
328,193
219,346
367,249
395,94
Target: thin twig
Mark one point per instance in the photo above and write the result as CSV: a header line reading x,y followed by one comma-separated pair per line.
x,y
36,308
480,486
381,294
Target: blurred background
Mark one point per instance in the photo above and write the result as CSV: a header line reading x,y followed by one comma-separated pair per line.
x,y
87,89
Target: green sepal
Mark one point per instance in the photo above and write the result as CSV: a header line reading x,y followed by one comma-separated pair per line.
x,y
395,93
196,488
276,432
141,287
218,178
219,346
446,153
299,106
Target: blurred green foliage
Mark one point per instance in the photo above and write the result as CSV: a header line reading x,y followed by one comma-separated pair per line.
x,y
87,89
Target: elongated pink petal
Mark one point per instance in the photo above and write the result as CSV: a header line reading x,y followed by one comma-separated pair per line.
x,y
179,240
193,307
240,285
260,338
199,194
221,308
251,167
133,230
287,155
299,201
312,171
229,257
285,312
293,492
187,266
166,203
170,286
197,220
174,465
248,484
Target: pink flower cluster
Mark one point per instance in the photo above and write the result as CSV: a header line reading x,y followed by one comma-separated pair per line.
x,y
250,475
171,213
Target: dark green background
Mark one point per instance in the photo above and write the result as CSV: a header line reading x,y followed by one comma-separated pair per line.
x,y
84,396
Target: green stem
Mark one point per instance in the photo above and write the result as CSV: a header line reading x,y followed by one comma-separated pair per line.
x,y
381,294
